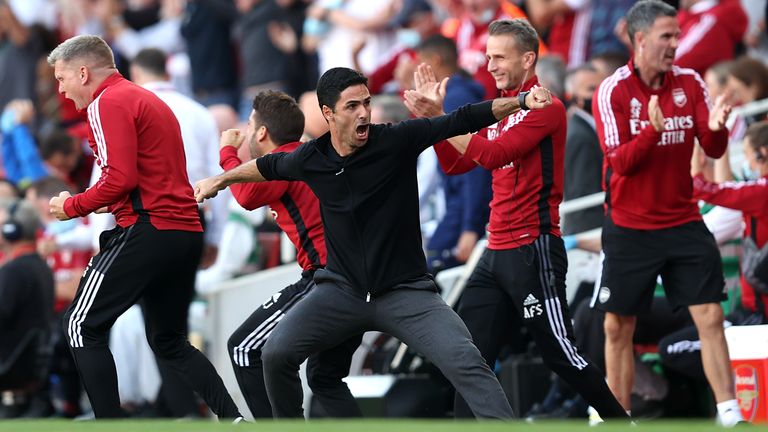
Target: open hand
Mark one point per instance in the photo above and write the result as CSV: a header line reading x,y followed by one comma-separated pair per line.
x,y
719,114
426,100
655,116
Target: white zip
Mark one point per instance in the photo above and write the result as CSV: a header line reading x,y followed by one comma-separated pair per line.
x,y
368,298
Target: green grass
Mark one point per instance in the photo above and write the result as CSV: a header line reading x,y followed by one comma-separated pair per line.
x,y
373,425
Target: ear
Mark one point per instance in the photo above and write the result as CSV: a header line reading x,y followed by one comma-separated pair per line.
x,y
261,133
762,154
327,113
530,59
84,74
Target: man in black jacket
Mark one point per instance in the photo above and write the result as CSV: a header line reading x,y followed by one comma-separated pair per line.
x,y
376,277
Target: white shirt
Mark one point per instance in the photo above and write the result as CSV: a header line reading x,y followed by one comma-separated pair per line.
x,y
201,145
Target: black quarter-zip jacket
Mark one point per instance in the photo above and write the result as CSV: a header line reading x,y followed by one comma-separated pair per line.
x,y
369,199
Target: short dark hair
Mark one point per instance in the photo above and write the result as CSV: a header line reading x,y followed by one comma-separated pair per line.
x,y
758,137
442,46
280,114
334,81
151,60
643,14
526,38
58,141
751,72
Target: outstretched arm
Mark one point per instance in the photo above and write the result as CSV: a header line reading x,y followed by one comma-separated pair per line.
x,y
427,101
210,187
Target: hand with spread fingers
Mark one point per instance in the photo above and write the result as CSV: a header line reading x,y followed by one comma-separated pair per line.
x,y
426,100
719,114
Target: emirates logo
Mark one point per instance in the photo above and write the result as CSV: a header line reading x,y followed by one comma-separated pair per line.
x,y
747,390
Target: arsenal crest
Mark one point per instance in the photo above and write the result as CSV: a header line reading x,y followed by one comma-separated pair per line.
x,y
678,96
746,390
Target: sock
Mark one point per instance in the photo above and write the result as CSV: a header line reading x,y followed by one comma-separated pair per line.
x,y
729,413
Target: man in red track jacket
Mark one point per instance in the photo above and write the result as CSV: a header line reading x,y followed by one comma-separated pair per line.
x,y
275,126
153,252
522,274
648,114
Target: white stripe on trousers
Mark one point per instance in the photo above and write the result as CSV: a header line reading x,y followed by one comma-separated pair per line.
x,y
553,306
90,290
258,337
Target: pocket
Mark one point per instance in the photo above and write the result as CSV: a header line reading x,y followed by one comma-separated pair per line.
x,y
106,238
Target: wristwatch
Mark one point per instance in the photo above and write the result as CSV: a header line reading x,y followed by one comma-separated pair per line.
x,y
521,100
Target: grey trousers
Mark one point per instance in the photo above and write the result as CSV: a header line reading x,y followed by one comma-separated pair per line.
x,y
331,314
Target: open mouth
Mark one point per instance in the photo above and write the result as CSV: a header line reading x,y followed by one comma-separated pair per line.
x,y
362,131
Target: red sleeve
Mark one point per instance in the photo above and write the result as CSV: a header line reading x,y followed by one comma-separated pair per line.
x,y
712,38
713,143
250,195
114,131
750,197
622,153
452,162
529,129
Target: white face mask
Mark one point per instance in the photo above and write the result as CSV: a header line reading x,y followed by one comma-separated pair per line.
x,y
748,173
486,16
408,38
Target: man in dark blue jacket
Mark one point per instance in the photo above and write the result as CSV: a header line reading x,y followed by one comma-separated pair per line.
x,y
466,195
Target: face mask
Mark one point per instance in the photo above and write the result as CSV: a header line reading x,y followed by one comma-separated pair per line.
x,y
60,227
486,16
7,121
408,37
748,173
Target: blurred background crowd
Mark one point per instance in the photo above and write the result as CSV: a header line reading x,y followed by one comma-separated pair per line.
x,y
208,58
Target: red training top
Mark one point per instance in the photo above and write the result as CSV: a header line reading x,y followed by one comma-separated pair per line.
x,y
137,143
646,174
526,153
294,207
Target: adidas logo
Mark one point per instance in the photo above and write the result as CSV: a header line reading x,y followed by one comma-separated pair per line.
x,y
530,300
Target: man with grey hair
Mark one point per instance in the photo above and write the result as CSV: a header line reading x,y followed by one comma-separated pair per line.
x,y
152,254
523,271
649,115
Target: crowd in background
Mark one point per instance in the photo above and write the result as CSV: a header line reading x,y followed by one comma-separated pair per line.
x,y
207,59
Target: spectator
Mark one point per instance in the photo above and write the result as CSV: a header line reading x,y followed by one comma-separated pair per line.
x,y
65,159
710,31
21,159
256,47
415,22
26,287
198,132
466,196
20,49
206,28
551,72
583,156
